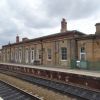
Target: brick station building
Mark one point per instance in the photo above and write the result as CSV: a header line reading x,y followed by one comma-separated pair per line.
x,y
54,50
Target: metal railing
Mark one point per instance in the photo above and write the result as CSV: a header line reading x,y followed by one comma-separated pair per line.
x,y
88,65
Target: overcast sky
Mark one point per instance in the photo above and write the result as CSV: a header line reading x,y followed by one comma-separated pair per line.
x,y
35,18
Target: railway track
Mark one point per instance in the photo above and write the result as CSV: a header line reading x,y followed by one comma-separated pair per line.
x,y
9,92
78,92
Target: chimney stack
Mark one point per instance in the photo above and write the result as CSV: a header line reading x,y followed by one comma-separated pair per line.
x,y
17,39
97,28
63,25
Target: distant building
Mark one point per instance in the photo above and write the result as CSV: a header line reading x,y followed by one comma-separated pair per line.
x,y
54,50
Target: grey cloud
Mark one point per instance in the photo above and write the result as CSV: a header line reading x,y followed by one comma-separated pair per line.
x,y
72,9
23,16
29,16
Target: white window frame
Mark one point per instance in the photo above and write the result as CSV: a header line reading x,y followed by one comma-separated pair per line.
x,y
81,56
16,55
20,55
82,53
62,55
12,56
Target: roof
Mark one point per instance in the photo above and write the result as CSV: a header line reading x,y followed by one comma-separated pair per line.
x,y
56,35
91,36
97,24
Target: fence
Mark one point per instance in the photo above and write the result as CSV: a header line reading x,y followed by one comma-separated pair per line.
x,y
85,65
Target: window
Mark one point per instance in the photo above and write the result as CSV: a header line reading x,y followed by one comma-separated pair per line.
x,y
82,53
64,53
11,55
16,55
32,55
38,54
26,55
49,54
82,50
20,55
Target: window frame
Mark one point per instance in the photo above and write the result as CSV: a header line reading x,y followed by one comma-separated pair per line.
x,y
26,55
82,53
63,54
32,54
20,55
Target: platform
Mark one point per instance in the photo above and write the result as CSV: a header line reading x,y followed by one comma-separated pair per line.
x,y
72,71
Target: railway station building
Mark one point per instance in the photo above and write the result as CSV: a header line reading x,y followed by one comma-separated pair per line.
x,y
60,49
